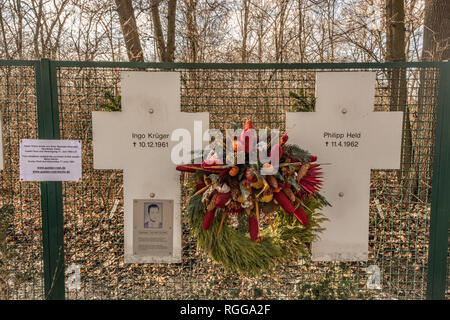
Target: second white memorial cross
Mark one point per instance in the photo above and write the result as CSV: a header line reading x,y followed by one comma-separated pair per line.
x,y
345,132
138,140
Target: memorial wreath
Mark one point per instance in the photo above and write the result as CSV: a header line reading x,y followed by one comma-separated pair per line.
x,y
230,202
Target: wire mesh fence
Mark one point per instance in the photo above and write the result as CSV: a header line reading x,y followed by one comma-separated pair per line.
x,y
93,208
21,264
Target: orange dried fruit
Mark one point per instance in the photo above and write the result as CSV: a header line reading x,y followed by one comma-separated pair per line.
x,y
234,171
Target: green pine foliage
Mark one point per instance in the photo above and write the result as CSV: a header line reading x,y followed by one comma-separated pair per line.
x,y
322,200
295,152
112,103
302,101
293,237
285,240
242,224
231,248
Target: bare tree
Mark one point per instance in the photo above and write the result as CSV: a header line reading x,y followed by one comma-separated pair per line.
x,y
395,30
280,28
436,47
130,30
192,29
436,36
166,50
244,29
395,52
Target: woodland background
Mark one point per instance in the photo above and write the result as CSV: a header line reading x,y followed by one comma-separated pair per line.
x,y
226,31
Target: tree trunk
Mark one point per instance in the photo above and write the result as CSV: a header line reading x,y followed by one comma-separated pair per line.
x,y
279,34
192,30
246,7
3,32
260,36
436,34
166,52
171,17
436,47
37,53
331,8
157,29
19,41
301,23
398,97
129,30
395,30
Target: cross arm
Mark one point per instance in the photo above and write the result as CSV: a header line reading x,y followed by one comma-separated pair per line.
x,y
386,139
107,139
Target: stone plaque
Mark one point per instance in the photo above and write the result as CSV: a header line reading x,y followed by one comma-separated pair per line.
x,y
153,228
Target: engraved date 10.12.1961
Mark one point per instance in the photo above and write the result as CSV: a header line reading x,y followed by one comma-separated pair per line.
x,y
150,140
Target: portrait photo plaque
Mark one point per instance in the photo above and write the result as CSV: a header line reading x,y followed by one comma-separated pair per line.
x,y
153,229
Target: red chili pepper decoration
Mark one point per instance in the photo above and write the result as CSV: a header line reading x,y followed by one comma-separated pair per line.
x,y
206,164
313,159
246,139
284,185
213,193
222,199
284,202
209,217
287,206
188,167
274,148
253,227
301,216
284,139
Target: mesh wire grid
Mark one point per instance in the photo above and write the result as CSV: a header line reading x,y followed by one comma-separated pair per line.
x,y
399,207
21,265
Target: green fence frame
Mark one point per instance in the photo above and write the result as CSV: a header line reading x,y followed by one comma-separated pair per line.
x,y
440,200
51,192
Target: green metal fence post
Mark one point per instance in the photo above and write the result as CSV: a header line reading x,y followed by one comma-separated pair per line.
x,y
51,192
440,198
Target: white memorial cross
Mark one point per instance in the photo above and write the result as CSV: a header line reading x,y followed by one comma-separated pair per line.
x,y
138,140
345,132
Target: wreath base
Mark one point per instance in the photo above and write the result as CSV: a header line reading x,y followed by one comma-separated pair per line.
x,y
285,239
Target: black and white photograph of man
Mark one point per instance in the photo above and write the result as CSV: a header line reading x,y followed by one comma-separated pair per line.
x,y
153,215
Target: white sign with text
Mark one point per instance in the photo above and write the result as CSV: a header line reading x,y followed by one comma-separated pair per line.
x,y
50,160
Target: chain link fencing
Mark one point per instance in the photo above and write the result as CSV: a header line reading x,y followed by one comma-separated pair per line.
x,y
92,210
